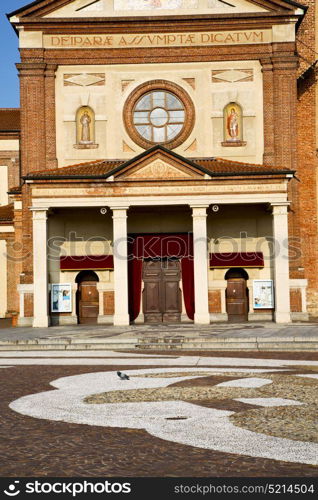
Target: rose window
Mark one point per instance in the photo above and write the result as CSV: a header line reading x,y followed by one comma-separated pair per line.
x,y
159,116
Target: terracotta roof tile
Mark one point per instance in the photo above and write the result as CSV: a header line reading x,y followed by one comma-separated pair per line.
x,y
220,165
105,168
6,213
94,168
9,119
15,189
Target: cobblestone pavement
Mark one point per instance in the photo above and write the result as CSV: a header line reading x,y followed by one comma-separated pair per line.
x,y
38,447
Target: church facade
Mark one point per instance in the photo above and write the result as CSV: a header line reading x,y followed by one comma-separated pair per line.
x,y
156,175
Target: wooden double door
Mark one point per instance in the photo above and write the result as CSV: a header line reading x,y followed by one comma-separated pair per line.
x,y
162,300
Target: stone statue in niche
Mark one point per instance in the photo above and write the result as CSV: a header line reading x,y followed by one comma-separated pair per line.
x,y
85,128
233,125
86,132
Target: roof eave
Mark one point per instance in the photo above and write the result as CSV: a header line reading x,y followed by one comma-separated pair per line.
x,y
208,172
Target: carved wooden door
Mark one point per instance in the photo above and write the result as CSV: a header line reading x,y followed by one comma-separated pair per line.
x,y
237,300
162,294
88,302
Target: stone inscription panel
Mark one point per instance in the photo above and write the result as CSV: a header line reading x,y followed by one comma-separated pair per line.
x,y
118,41
160,190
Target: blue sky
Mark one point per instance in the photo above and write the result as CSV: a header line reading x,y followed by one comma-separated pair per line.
x,y
9,55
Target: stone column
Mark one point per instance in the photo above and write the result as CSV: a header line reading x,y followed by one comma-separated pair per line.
x,y
281,262
200,248
40,268
121,316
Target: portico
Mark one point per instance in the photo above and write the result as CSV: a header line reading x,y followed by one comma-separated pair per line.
x,y
132,206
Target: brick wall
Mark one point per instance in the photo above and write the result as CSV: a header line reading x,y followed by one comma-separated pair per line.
x,y
295,300
109,303
307,157
28,305
214,301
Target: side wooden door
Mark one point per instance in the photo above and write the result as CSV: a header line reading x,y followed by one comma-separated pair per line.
x,y
237,300
88,302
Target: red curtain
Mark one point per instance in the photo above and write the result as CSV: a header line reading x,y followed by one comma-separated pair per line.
x,y
83,262
236,259
134,286
187,268
159,245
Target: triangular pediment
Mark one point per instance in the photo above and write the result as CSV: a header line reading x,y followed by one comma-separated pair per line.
x,y
64,9
158,164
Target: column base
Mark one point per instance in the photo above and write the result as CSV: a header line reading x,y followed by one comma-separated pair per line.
x,y
282,317
202,318
42,322
105,319
57,320
140,319
121,320
25,321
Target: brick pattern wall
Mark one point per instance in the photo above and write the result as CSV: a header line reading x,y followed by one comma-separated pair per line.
x,y
214,301
28,305
307,156
295,300
109,303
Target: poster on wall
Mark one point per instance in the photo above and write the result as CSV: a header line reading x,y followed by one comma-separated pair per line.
x,y
263,294
61,297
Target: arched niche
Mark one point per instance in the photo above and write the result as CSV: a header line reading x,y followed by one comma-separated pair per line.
x,y
86,276
236,272
85,128
233,125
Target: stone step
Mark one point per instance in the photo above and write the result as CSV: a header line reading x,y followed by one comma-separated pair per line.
x,y
164,343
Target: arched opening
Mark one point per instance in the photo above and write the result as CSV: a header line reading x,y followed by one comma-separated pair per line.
x,y
87,297
237,302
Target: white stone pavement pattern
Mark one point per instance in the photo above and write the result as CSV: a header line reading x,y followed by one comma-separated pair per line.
x,y
246,382
110,358
267,402
199,427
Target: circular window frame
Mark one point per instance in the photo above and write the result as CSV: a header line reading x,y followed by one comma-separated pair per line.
x,y
158,85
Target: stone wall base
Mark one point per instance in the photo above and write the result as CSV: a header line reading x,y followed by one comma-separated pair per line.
x,y
25,322
105,319
299,316
63,320
218,317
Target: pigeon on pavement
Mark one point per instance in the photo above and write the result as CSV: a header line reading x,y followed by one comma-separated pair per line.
x,y
122,376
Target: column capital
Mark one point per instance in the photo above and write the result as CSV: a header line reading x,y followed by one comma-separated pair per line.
x,y
266,64
50,70
31,68
39,213
119,212
199,210
280,208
